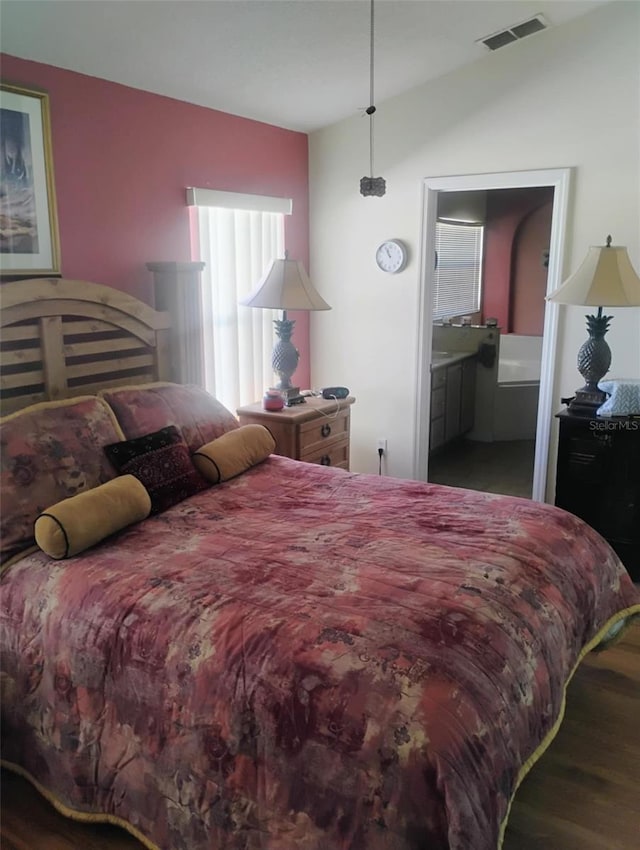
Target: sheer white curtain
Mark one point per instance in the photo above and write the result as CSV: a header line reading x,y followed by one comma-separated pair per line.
x,y
237,246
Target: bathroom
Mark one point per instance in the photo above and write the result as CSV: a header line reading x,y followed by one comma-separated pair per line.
x,y
486,360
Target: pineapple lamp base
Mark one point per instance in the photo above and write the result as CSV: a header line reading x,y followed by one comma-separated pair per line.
x,y
594,359
291,396
284,360
585,402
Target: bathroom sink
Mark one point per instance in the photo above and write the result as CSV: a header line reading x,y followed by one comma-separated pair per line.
x,y
441,355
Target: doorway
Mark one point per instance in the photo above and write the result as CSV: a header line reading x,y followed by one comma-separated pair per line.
x,y
557,181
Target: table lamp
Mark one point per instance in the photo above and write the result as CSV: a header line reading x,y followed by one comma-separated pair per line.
x,y
606,278
286,286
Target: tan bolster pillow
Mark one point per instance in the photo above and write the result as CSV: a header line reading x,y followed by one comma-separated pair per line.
x,y
71,526
234,452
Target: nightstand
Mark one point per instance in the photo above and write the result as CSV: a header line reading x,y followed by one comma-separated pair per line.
x,y
316,431
598,479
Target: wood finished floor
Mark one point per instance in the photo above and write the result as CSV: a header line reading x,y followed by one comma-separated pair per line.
x,y
584,794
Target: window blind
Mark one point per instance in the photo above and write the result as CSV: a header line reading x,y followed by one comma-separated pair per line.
x,y
458,273
237,246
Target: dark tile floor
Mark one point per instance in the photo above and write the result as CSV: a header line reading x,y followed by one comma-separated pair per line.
x,y
501,467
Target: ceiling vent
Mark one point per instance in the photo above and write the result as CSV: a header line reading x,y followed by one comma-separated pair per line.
x,y
500,39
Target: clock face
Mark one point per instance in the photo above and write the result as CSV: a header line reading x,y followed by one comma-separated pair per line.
x,y
391,256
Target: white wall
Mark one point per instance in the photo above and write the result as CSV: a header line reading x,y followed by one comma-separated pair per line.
x,y
566,97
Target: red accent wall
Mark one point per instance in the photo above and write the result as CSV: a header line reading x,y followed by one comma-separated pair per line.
x,y
529,279
506,210
122,160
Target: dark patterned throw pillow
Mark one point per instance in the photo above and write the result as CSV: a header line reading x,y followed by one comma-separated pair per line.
x,y
162,463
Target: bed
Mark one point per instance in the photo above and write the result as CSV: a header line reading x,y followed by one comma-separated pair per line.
x,y
295,658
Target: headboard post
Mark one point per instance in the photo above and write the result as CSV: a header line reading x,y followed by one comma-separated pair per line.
x,y
177,291
53,360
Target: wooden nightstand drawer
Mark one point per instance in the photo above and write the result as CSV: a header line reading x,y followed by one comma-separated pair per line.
x,y
335,454
319,433
313,431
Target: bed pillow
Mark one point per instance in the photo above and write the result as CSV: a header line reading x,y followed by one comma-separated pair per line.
x,y
48,452
234,452
147,408
162,463
81,521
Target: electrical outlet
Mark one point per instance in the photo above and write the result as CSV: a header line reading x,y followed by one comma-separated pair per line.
x,y
382,444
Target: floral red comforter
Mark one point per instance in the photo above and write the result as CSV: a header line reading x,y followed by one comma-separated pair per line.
x,y
304,659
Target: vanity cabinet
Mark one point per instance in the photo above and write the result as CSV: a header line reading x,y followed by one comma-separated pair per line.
x,y
453,389
468,395
438,407
453,403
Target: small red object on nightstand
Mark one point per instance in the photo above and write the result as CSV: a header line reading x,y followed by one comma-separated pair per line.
x,y
273,400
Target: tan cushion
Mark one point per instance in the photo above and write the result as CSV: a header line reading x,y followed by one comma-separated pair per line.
x,y
234,452
70,526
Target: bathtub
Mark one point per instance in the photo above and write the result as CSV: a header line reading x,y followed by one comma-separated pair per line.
x,y
518,387
511,371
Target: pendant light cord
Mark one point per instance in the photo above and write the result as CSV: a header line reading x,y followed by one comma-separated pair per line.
x,y
372,108
371,49
371,185
371,145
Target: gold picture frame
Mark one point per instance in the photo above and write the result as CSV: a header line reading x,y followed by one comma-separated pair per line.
x,y
29,239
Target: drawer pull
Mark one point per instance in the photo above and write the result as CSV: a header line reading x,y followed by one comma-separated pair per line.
x,y
325,430
325,460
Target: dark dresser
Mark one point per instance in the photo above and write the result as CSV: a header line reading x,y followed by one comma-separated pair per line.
x,y
598,479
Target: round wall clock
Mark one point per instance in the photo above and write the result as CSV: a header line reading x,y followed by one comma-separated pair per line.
x,y
391,256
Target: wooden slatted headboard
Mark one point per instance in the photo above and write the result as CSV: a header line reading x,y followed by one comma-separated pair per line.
x,y
61,338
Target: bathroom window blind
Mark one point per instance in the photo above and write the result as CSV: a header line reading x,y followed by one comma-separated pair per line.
x,y
458,273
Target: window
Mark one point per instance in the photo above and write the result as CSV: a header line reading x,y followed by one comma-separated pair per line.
x,y
458,273
238,235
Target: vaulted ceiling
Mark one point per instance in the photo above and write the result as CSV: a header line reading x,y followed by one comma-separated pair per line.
x,y
300,64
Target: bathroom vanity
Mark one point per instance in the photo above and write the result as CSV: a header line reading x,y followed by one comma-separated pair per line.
x,y
453,396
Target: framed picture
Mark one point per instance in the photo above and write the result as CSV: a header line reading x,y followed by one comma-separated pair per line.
x,y
29,241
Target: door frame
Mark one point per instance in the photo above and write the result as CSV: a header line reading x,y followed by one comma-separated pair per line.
x,y
560,180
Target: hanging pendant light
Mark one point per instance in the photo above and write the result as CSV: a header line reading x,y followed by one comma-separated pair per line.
x,y
371,185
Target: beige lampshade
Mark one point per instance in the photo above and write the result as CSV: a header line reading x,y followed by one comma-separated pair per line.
x,y
606,278
286,286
